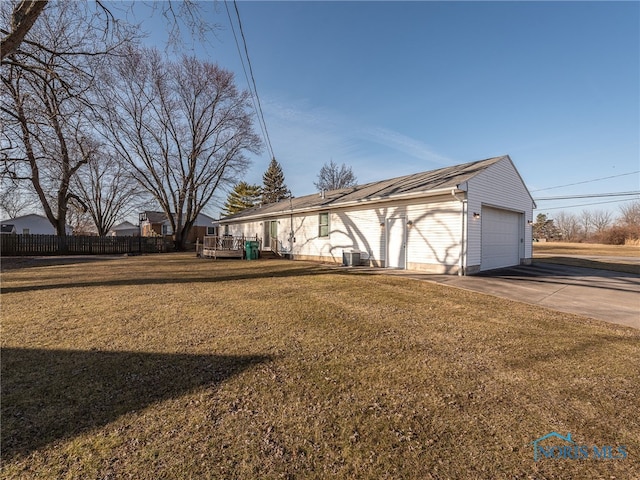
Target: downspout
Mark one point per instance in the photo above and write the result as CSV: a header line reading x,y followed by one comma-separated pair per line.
x,y
463,242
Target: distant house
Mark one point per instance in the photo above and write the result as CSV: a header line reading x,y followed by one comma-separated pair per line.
x,y
461,219
7,229
154,224
34,224
124,229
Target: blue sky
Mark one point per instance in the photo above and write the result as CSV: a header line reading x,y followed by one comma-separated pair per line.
x,y
394,88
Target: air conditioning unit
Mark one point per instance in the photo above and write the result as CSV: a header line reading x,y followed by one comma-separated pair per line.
x,y
350,258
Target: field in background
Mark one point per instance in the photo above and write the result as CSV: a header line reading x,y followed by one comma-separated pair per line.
x,y
621,258
176,367
586,249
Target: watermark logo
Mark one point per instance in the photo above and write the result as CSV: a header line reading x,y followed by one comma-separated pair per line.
x,y
566,448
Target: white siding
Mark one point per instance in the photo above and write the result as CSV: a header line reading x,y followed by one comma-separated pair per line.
x,y
433,238
497,186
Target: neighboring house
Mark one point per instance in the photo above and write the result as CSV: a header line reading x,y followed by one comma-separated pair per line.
x,y
34,224
7,229
154,224
124,229
461,219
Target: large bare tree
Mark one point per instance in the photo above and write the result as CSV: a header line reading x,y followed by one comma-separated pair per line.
x,y
19,17
46,99
182,127
104,188
333,177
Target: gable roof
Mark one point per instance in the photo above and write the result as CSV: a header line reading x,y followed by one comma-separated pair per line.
x,y
126,225
424,183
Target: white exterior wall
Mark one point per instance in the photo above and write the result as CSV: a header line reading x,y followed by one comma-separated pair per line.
x,y
433,239
498,186
36,224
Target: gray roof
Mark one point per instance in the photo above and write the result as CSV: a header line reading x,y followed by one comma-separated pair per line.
x,y
419,183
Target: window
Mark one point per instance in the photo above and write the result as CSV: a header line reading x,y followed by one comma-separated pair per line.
x,y
211,230
323,221
25,231
166,229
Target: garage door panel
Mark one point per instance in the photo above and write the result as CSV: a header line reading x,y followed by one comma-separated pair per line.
x,y
500,238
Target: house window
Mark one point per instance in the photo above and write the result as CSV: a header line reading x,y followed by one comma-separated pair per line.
x,y
25,231
211,230
226,229
323,221
166,229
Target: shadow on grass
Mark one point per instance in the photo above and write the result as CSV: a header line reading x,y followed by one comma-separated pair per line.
x,y
48,395
259,272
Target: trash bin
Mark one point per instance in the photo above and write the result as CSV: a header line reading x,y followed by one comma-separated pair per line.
x,y
251,250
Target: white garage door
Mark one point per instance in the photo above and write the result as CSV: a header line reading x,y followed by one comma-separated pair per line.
x,y
500,238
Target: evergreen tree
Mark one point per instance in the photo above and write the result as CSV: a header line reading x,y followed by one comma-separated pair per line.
x,y
274,189
242,196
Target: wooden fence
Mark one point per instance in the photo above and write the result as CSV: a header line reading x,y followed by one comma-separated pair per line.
x,y
16,245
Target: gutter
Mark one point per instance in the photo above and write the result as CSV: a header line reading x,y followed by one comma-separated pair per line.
x,y
463,242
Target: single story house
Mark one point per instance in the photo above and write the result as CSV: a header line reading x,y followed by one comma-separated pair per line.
x,y
153,224
124,229
461,219
34,224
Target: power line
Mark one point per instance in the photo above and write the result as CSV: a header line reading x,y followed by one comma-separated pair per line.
x,y
254,92
587,181
589,195
588,204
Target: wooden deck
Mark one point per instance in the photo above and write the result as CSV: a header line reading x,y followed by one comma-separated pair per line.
x,y
225,246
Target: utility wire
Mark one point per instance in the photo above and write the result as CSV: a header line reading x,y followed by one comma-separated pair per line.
x,y
587,181
588,204
590,195
254,91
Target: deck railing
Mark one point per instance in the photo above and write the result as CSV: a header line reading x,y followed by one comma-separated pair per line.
x,y
223,246
223,242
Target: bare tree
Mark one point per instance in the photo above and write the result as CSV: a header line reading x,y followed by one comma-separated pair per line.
x,y
46,85
22,17
630,213
586,222
181,127
104,188
15,200
601,219
334,177
569,226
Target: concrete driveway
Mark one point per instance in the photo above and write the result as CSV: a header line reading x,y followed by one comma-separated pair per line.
x,y
601,294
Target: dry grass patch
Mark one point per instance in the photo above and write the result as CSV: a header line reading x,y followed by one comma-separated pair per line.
x,y
175,367
617,256
568,248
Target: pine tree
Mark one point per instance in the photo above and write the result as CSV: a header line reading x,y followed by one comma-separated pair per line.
x,y
274,189
242,196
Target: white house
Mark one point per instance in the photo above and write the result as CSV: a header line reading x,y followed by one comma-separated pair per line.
x,y
34,224
461,219
124,229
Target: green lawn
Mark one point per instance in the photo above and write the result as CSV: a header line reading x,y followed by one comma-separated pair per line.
x,y
170,366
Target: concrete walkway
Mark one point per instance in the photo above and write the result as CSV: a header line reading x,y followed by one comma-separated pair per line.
x,y
600,294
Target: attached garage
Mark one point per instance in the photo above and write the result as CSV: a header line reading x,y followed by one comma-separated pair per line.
x,y
502,231
461,219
